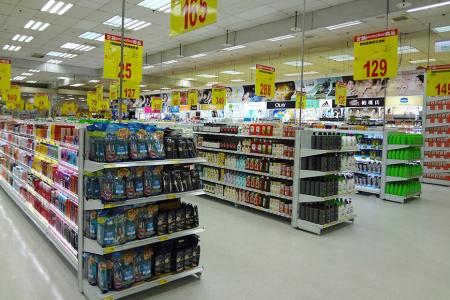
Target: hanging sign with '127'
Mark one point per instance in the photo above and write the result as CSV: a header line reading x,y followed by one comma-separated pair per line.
x,y
265,81
376,55
438,81
189,15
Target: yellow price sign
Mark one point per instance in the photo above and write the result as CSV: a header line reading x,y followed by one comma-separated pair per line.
x,y
19,105
69,108
41,102
12,97
99,91
300,100
5,74
113,91
193,99
176,98
91,99
265,81
375,55
130,89
29,106
341,94
103,105
189,15
156,104
132,58
219,97
438,81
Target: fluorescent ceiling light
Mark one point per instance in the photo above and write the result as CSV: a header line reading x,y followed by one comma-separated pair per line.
x,y
188,79
442,46
406,49
77,84
342,25
207,76
233,48
170,62
442,29
27,74
252,68
31,81
428,6
19,78
212,83
148,67
231,72
237,80
421,61
91,35
22,38
54,61
142,85
34,71
280,38
159,5
299,74
54,7
297,63
36,25
198,55
78,47
165,88
12,48
129,23
342,57
94,80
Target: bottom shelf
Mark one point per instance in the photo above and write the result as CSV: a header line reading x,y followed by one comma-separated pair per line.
x,y
317,228
93,292
400,199
366,189
437,181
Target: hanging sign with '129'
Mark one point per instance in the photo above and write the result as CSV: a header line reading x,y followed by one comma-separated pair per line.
x,y
438,81
189,15
376,55
265,81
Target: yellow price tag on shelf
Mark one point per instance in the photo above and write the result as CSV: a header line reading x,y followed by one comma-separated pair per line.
x,y
109,249
163,238
132,58
171,196
41,102
156,104
108,298
438,81
265,81
176,97
188,15
113,91
219,97
130,89
341,94
163,281
91,99
5,74
300,100
375,55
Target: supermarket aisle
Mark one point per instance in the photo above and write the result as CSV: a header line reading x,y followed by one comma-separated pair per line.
x,y
393,251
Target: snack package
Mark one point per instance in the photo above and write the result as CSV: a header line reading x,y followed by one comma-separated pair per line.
x,y
138,182
155,143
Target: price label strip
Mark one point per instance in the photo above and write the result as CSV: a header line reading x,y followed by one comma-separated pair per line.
x,y
376,55
438,81
189,15
265,81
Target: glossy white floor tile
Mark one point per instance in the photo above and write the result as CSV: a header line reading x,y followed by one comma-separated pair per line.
x,y
392,251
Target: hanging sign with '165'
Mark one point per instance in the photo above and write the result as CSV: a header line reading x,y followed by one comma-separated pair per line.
x,y
189,15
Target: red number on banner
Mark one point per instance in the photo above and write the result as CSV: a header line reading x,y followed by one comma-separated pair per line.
x,y
220,101
126,71
375,64
442,89
129,93
194,11
265,89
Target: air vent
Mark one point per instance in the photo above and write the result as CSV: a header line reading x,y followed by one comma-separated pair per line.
x,y
38,55
398,19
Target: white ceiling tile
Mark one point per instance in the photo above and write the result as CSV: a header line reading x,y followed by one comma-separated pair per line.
x,y
85,25
92,4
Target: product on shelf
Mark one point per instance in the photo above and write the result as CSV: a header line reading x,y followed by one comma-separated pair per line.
x,y
329,162
398,138
326,186
326,212
254,129
411,153
404,188
405,170
332,141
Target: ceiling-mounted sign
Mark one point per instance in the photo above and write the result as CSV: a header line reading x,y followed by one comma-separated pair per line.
x,y
5,74
341,93
193,99
156,104
69,108
438,81
281,104
130,89
113,91
265,81
365,102
189,15
91,99
376,55
12,97
300,100
132,58
41,102
29,106
219,97
176,98
99,92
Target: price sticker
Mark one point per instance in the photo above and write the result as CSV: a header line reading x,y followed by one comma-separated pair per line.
x,y
171,196
375,55
156,104
219,97
438,81
41,102
132,58
5,74
109,249
189,15
163,281
300,100
163,238
176,97
265,81
341,93
108,298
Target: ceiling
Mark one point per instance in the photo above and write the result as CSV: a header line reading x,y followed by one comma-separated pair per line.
x,y
233,15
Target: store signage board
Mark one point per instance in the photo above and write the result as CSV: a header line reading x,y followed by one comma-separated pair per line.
x,y
132,58
376,55
188,15
130,89
5,74
365,102
99,92
91,99
156,104
69,108
265,81
41,102
404,100
341,93
113,91
281,104
12,97
193,99
300,100
438,81
219,97
176,98
29,106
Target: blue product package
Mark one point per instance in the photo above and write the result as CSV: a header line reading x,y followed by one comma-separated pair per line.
x,y
92,270
106,186
90,224
139,182
118,185
119,220
106,228
156,180
104,274
131,224
143,264
155,142
138,142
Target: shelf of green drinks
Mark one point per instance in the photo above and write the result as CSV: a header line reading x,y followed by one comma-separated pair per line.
x,y
400,199
401,161
396,147
317,228
397,178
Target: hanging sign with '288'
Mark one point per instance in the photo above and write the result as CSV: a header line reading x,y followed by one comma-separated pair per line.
x,y
376,55
265,81
189,15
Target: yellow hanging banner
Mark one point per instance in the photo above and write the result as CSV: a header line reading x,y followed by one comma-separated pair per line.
x,y
124,107
132,58
156,104
113,91
29,106
130,89
375,55
69,108
189,15
19,105
341,94
99,92
176,97
193,99
219,97
12,97
5,74
438,81
103,105
300,100
265,81
41,102
91,98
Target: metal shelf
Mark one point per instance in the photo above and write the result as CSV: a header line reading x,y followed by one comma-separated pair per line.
x,y
427,148
68,166
437,111
71,195
317,228
92,166
436,181
433,159
437,135
367,189
18,146
248,189
95,204
30,136
308,173
311,152
94,293
245,136
367,160
428,124
434,171
247,171
395,178
244,153
400,199
304,198
92,246
396,147
401,161
15,160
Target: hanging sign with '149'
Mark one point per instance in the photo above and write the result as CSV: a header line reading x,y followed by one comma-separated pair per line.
x,y
132,58
376,55
189,15
265,81
438,81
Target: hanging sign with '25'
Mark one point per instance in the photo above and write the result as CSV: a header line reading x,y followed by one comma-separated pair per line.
x,y
376,55
189,15
265,81
132,58
438,81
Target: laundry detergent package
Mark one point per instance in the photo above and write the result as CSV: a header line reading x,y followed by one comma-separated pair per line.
x,y
143,264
